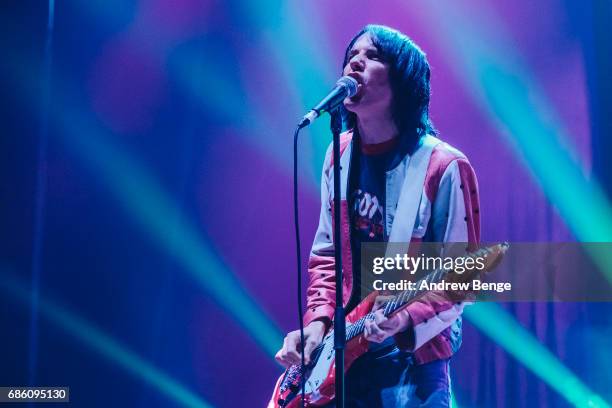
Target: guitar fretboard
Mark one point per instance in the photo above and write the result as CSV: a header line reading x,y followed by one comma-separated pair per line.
x,y
407,296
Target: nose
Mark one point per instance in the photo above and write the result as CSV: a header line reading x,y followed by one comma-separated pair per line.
x,y
356,63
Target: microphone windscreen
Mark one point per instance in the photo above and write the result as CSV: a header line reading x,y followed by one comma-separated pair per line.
x,y
350,84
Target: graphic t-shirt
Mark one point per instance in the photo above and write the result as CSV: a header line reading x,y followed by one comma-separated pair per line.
x,y
368,202
368,198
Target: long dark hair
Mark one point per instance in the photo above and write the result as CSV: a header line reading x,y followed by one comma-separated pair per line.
x,y
409,75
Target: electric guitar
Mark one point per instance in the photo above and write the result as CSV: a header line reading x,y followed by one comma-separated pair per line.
x,y
319,374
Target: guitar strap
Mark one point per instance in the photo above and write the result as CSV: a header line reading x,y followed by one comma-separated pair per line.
x,y
410,197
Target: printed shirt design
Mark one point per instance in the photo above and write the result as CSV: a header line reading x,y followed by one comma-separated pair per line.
x,y
369,215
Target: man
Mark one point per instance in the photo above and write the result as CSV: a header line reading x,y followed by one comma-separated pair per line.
x,y
386,123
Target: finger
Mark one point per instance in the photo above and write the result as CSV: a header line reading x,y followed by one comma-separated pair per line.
x,y
279,359
368,334
287,353
376,330
280,356
380,300
375,318
312,342
377,304
294,349
374,338
378,335
291,342
379,317
310,346
294,358
367,327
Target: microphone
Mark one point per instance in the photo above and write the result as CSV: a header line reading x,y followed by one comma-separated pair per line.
x,y
345,87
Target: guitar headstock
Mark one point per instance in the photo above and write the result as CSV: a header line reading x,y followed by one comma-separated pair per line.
x,y
494,255
486,258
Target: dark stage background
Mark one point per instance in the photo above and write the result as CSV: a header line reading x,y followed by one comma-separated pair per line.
x,y
146,241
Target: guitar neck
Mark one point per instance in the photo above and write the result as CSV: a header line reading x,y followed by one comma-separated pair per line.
x,y
436,276
408,296
396,302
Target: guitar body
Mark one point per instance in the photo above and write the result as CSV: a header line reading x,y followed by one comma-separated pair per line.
x,y
320,378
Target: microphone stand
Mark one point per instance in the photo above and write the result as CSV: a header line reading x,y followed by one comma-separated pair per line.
x,y
339,313
339,319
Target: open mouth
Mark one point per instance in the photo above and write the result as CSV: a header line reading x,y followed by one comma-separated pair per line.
x,y
357,95
356,77
359,80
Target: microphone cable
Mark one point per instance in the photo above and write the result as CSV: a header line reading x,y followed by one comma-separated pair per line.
x,y
299,259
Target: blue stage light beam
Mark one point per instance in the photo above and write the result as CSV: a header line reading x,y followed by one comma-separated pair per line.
x,y
291,34
104,344
152,208
500,81
158,214
500,326
502,85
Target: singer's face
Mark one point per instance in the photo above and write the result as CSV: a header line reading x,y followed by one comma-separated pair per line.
x,y
374,95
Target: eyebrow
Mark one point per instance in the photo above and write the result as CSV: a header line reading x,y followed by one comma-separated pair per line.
x,y
372,48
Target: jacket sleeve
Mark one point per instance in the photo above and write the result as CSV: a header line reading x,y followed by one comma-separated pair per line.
x,y
320,295
456,219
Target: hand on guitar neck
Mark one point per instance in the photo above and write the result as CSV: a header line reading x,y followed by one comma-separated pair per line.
x,y
290,354
380,327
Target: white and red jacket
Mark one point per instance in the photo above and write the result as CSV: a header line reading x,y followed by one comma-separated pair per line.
x,y
448,212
